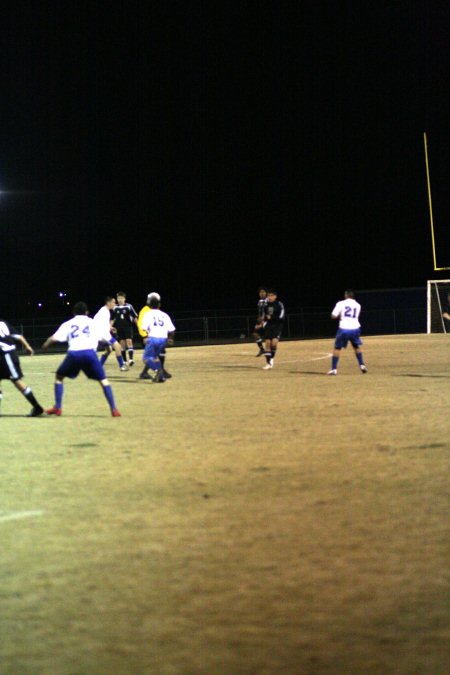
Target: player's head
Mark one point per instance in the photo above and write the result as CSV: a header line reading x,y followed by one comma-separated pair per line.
x,y
80,308
349,293
262,290
154,301
110,301
152,295
121,297
271,294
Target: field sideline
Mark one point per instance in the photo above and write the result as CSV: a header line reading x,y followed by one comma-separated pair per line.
x,y
233,521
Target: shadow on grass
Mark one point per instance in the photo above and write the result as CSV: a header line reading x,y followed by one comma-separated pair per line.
x,y
444,377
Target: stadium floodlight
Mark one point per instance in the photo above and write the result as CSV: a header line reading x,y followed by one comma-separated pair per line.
x,y
437,302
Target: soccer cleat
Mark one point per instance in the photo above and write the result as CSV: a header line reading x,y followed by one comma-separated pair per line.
x,y
145,376
332,372
269,365
363,369
166,374
159,377
54,411
131,362
124,368
115,413
36,412
260,353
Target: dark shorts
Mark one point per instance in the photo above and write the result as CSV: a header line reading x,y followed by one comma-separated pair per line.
x,y
273,331
10,366
124,333
343,337
86,361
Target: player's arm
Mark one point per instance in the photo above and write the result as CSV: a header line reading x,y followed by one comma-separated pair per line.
x,y
22,339
170,338
336,313
446,315
49,341
134,316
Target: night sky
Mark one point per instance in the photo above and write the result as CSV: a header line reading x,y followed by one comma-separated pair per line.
x,y
201,148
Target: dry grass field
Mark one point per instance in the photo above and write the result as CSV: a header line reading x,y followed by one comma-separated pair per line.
x,y
233,521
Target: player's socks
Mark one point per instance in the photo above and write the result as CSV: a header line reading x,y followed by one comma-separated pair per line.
x,y
59,391
274,351
31,398
359,356
109,396
36,412
130,355
334,362
260,343
268,356
124,354
103,358
120,361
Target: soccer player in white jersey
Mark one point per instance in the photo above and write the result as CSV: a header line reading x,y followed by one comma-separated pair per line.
x,y
160,329
347,312
143,334
82,334
103,320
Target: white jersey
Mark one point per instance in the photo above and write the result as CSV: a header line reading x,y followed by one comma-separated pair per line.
x,y
80,332
348,312
102,320
158,324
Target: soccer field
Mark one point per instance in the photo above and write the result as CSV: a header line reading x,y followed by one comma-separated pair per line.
x,y
233,520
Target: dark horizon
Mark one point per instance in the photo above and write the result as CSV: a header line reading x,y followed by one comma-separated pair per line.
x,y
203,150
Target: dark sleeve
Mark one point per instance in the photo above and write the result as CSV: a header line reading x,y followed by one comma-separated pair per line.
x,y
278,313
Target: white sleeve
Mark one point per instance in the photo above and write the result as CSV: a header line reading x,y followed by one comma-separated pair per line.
x,y
337,310
62,334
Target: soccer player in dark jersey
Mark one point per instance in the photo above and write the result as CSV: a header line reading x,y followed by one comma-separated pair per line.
x,y
258,331
10,364
274,317
124,316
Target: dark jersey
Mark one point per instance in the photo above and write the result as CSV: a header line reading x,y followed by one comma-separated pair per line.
x,y
262,303
123,314
8,337
275,313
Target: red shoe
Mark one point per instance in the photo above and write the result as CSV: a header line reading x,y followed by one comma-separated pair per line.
x,y
115,413
54,411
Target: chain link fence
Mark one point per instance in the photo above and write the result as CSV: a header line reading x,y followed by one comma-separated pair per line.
x,y
234,327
